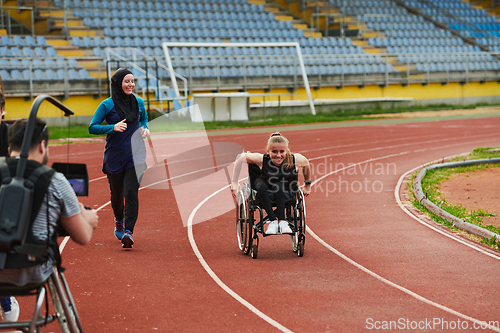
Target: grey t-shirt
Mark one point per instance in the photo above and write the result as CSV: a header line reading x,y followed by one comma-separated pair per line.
x,y
62,202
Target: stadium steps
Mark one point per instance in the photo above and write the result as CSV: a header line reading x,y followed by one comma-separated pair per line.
x,y
23,19
281,13
349,24
290,10
444,26
53,18
487,6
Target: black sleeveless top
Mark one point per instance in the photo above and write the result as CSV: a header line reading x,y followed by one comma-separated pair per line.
x,y
286,180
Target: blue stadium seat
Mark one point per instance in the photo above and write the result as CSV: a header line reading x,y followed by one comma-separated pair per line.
x,y
5,75
76,41
224,72
197,72
30,41
6,41
155,41
98,42
87,41
51,52
97,52
15,64
38,75
158,52
73,74
51,75
38,64
207,72
84,74
4,64
16,75
18,41
108,41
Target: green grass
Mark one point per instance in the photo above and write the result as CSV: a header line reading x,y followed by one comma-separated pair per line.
x,y
75,131
81,131
431,185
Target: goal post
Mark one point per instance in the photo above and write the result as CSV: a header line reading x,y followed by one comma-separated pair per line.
x,y
167,46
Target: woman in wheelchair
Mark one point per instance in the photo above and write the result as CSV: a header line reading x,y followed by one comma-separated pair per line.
x,y
279,175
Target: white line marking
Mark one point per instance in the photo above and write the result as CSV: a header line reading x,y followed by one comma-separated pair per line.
x,y
392,284
216,278
384,280
66,238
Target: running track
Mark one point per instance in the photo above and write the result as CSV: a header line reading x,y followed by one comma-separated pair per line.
x,y
368,260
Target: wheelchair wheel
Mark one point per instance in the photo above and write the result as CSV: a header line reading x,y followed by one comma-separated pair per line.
x,y
299,217
254,245
242,225
254,251
300,249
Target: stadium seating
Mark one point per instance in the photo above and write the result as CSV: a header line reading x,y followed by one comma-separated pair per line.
x,y
244,22
414,42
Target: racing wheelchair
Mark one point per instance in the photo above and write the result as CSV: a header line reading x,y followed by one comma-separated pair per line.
x,y
248,227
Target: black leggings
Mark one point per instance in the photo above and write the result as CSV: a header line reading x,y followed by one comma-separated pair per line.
x,y
264,193
124,188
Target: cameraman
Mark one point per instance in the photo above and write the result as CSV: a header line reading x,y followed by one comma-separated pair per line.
x,y
63,205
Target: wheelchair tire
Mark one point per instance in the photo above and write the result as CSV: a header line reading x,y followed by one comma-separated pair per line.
x,y
300,249
254,251
242,224
299,216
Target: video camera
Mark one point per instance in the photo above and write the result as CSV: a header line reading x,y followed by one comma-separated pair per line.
x,y
77,176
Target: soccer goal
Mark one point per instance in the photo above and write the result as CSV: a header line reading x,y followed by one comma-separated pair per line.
x,y
243,50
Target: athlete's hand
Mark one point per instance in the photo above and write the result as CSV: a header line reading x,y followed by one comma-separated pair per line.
x,y
120,126
145,132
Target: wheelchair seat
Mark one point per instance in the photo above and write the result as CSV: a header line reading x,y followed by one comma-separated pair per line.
x,y
253,173
248,226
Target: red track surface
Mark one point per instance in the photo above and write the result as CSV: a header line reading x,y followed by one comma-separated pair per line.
x,y
408,273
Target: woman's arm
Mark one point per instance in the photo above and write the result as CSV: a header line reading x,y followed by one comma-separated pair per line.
x,y
95,126
143,118
302,162
254,158
143,115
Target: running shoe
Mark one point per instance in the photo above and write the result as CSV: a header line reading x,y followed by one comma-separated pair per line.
x,y
119,227
127,240
9,309
284,227
273,228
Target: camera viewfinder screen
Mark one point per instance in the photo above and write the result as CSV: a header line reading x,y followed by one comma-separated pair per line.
x,y
78,185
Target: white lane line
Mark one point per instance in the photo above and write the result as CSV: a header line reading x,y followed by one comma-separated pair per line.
x,y
204,264
66,238
481,323
386,281
214,276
